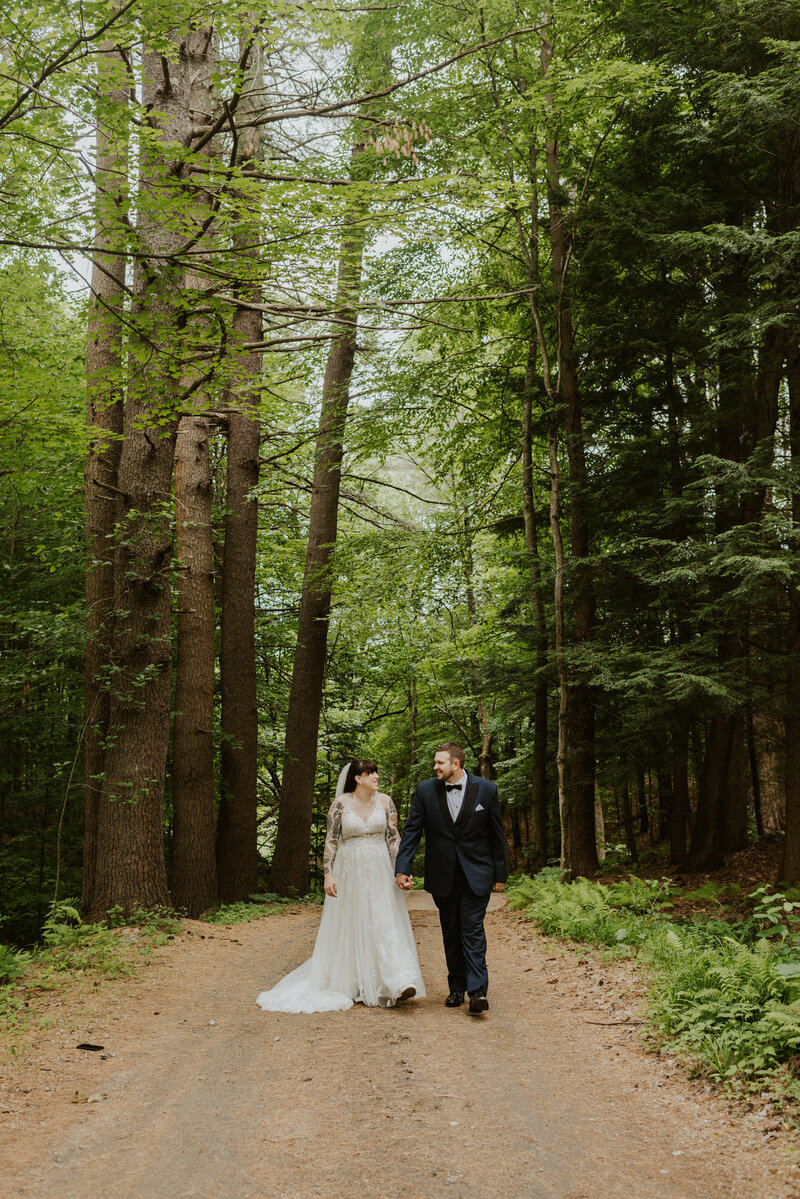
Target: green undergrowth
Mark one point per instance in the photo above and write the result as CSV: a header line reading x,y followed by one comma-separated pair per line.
x,y
724,993
72,952
239,913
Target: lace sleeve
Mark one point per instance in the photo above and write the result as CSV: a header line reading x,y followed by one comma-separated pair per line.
x,y
392,834
333,834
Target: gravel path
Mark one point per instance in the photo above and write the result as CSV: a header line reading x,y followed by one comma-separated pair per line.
x,y
549,1096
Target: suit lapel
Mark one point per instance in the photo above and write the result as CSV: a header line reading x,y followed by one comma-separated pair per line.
x,y
441,795
470,792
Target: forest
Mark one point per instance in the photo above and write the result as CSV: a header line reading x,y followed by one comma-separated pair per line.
x,y
376,375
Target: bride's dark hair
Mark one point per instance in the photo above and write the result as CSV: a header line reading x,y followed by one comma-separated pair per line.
x,y
358,766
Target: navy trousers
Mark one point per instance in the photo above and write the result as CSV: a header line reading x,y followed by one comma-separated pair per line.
x,y
461,915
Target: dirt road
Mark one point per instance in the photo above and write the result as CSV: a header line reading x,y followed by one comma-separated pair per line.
x,y
206,1097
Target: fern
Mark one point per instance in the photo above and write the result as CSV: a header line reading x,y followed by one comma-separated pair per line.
x,y
731,1003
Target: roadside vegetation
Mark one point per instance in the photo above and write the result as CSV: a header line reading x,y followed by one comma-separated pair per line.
x,y
723,981
75,953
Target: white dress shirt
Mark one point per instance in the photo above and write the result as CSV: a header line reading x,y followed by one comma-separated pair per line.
x,y
455,798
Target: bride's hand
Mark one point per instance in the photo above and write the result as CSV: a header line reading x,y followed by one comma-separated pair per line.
x,y
330,886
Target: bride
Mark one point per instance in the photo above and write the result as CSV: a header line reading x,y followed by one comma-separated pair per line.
x,y
365,951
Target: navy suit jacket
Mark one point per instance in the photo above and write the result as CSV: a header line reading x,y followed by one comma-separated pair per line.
x,y
476,840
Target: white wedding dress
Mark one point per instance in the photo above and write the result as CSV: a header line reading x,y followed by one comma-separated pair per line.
x,y
365,950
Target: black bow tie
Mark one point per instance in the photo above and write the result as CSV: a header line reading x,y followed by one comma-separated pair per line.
x,y
453,786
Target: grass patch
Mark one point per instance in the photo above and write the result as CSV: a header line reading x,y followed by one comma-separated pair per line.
x,y
239,913
723,993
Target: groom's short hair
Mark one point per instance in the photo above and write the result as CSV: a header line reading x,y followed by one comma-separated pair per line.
x,y
455,751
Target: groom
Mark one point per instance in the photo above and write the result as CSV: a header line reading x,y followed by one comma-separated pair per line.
x,y
465,860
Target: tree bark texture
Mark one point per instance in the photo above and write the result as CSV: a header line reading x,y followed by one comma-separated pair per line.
x,y
666,800
755,775
790,863
485,758
194,873
736,794
679,818
641,797
290,860
580,716
194,870
237,852
560,648
104,418
679,815
130,868
538,846
769,735
412,718
627,817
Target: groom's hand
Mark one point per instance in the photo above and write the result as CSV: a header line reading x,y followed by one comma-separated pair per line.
x,y
499,887
403,881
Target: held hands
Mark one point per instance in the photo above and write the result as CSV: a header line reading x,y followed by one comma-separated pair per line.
x,y
330,886
404,883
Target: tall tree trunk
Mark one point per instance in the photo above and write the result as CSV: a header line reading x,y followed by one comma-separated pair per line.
x,y
412,716
599,827
130,869
790,862
755,776
560,649
485,763
104,418
679,815
538,847
290,861
680,791
641,796
194,875
735,815
666,801
527,225
194,871
237,853
581,732
707,833
627,815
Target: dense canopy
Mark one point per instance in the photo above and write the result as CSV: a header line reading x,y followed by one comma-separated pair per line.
x,y
374,376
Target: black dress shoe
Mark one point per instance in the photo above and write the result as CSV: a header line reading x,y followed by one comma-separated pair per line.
x,y
454,999
478,1003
